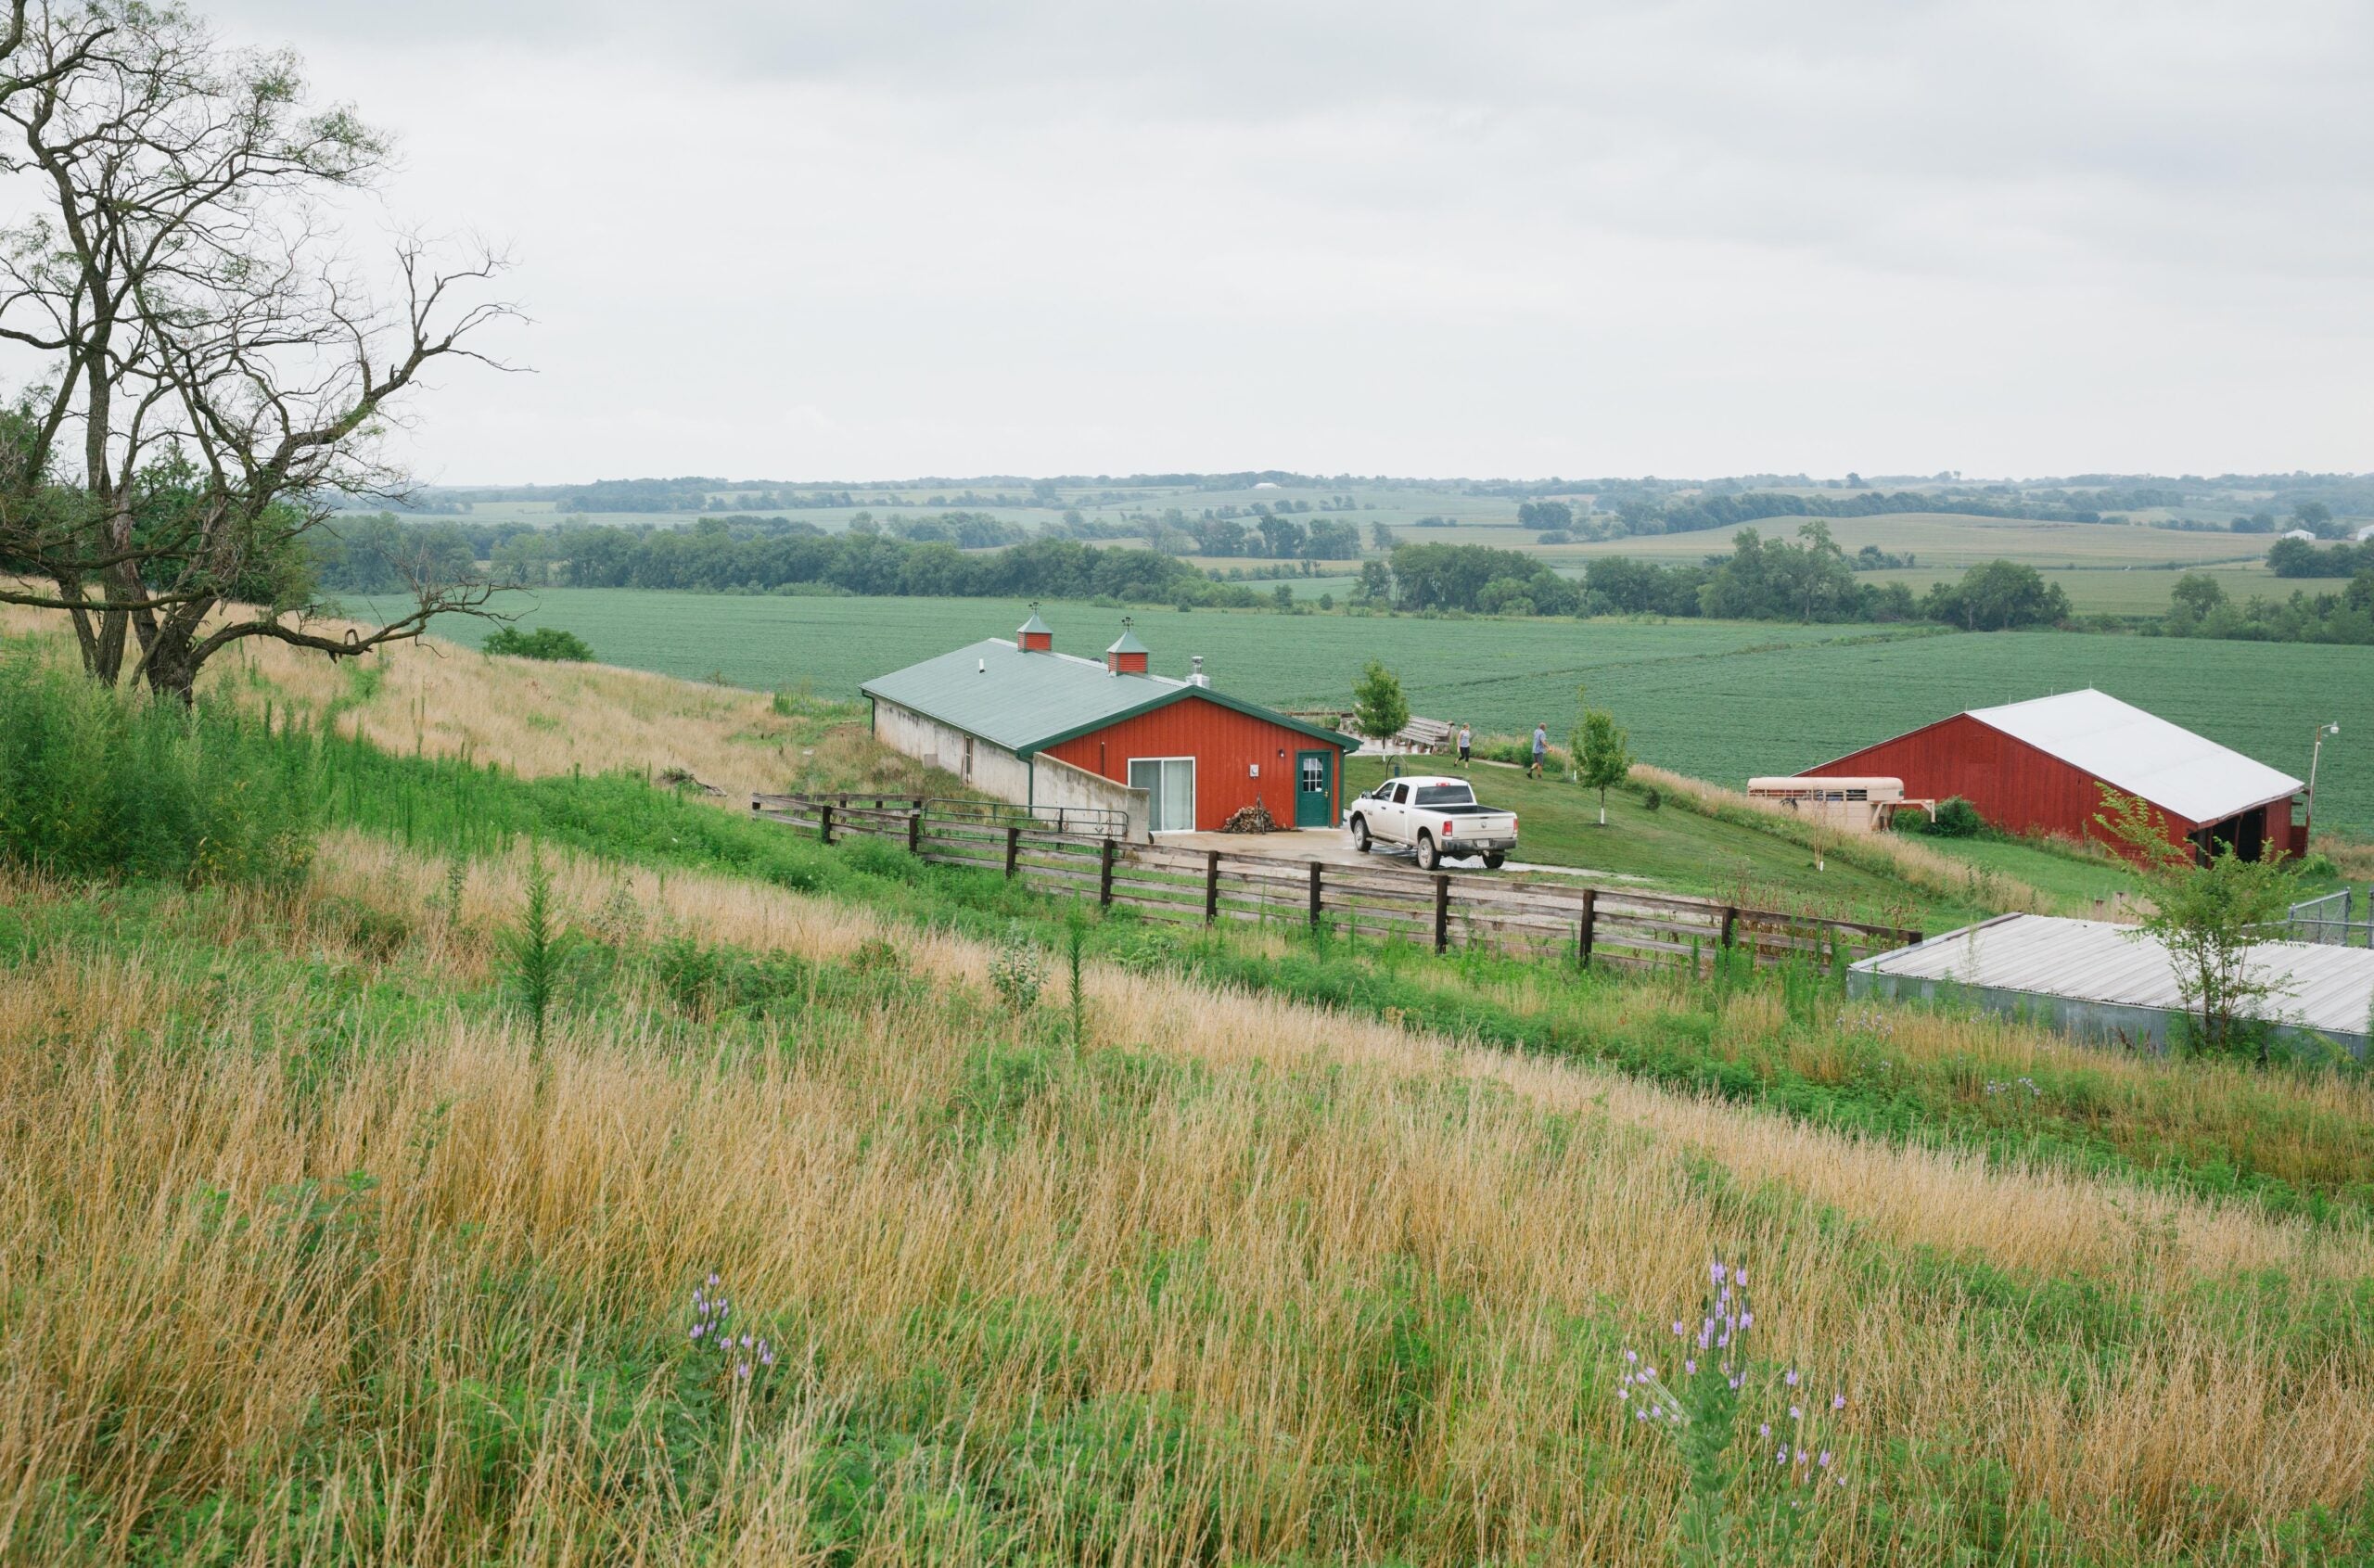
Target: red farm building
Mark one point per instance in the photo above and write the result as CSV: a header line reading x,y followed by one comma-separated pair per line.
x,y
2036,768
1054,731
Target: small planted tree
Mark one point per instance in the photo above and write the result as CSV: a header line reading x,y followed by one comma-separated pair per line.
x,y
1603,755
2207,914
1380,712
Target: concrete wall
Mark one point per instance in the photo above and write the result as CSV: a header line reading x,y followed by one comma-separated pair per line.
x,y
1055,783
996,771
2100,1022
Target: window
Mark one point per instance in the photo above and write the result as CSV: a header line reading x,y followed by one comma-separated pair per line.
x,y
967,775
1314,775
1446,795
1169,784
1401,794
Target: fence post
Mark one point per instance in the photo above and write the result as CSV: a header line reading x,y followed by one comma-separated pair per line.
x,y
1211,886
1442,912
825,822
1013,851
914,833
1588,929
1104,874
1314,895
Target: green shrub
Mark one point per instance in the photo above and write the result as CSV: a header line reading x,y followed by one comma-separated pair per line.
x,y
1956,818
544,643
96,783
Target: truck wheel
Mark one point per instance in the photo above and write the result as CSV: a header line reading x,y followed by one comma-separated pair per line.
x,y
1427,859
1495,861
1360,835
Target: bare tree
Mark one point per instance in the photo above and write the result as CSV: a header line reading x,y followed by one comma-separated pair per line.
x,y
214,377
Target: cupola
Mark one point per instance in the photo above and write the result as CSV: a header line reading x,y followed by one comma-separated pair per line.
x,y
1126,656
1036,636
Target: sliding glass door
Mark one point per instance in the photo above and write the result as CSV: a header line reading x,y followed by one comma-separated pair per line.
x,y
1169,784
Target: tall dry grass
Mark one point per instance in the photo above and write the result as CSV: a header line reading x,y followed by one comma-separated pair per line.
x,y
535,718
1307,1186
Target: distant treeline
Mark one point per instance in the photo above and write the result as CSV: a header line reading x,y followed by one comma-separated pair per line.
x,y
2200,608
1760,580
2297,557
692,495
373,554
970,555
1702,513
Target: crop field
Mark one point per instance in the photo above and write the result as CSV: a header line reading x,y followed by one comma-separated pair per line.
x,y
1716,700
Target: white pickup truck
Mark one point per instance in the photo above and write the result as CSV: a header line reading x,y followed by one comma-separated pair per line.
x,y
1437,817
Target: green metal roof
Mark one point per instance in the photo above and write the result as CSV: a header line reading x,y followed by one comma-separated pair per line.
x,y
1026,703
1129,643
1034,624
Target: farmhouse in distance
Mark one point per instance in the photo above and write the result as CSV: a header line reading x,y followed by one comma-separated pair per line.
x,y
1052,730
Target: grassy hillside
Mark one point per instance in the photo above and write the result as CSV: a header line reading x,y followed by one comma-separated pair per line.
x,y
1265,1249
1716,700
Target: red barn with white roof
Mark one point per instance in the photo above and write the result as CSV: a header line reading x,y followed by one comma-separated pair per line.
x,y
2038,768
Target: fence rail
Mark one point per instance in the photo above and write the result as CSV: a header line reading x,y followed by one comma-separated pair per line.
x,y
1094,822
2330,920
1165,882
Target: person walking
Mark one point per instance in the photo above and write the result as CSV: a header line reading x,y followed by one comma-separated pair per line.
x,y
1540,748
1466,744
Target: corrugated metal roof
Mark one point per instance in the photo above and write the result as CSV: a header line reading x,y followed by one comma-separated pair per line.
x,y
1027,701
2327,989
2143,754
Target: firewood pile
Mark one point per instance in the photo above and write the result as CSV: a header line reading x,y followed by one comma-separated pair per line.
x,y
1254,817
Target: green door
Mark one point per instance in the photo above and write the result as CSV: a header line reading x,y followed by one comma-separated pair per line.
x,y
1314,789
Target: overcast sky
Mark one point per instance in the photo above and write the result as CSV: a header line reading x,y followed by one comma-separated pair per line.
x,y
888,237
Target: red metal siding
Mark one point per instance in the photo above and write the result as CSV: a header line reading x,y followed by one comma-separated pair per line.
x,y
2014,786
1225,743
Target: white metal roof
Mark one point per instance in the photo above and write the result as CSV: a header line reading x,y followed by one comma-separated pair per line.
x,y
2143,754
2327,989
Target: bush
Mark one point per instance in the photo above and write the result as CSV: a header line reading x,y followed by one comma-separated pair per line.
x,y
96,783
1956,818
544,643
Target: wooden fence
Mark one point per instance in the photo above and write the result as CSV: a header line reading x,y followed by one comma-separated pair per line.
x,y
1544,916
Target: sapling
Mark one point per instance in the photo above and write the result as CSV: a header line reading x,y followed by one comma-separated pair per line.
x,y
537,947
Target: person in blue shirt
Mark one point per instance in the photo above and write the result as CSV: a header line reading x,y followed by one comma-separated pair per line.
x,y
1540,748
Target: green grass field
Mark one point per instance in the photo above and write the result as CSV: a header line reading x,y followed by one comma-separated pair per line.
x,y
1717,700
1683,852
383,1200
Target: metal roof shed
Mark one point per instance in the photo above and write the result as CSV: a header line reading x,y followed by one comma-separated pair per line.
x,y
2143,754
1026,702
2104,982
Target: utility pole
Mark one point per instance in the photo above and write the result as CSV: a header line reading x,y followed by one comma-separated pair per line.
x,y
2315,750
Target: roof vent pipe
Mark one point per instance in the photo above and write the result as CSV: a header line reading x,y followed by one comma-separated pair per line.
x,y
1199,678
